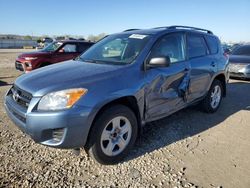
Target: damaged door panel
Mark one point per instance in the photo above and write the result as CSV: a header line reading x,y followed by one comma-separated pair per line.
x,y
202,66
167,89
167,92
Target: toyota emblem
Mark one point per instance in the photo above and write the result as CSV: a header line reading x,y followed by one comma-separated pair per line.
x,y
15,96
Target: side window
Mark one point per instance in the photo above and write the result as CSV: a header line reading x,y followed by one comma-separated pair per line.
x,y
69,48
171,45
83,46
196,46
212,44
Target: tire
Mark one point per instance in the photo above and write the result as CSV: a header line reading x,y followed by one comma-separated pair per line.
x,y
210,104
113,134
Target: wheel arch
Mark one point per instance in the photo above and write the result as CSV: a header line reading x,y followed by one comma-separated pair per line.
x,y
128,101
222,79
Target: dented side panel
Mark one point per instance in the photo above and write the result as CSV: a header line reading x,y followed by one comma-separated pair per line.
x,y
166,91
201,73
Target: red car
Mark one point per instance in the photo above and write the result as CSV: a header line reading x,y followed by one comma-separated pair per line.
x,y
53,53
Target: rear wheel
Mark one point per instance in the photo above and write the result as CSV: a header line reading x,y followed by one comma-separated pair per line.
x,y
213,99
113,134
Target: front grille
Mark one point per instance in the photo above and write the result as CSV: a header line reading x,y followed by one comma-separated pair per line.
x,y
21,97
18,116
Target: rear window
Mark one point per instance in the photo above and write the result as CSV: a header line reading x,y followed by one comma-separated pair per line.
x,y
212,44
83,46
196,46
242,50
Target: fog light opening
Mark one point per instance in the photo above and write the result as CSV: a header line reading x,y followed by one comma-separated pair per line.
x,y
57,135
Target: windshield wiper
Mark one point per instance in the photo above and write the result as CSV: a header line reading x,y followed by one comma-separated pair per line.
x,y
100,61
89,60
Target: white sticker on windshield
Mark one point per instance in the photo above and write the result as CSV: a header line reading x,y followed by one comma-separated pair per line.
x,y
137,36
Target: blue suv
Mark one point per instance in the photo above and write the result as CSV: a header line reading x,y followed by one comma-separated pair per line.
x,y
102,99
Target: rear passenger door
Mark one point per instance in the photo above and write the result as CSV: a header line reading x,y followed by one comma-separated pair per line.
x,y
202,65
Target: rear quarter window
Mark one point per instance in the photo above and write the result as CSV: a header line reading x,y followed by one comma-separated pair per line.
x,y
196,46
212,44
83,46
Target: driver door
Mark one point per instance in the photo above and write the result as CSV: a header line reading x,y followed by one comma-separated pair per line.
x,y
167,87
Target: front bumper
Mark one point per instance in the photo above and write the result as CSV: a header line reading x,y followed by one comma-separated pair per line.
x,y
74,123
22,65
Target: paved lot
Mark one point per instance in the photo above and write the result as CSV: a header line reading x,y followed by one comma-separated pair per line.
x,y
189,148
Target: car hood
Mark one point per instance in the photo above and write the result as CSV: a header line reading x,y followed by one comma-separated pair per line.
x,y
69,74
239,59
33,54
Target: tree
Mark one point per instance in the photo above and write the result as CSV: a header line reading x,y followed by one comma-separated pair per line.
x,y
96,37
28,37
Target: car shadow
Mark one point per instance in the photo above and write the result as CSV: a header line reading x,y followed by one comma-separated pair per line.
x,y
4,83
190,121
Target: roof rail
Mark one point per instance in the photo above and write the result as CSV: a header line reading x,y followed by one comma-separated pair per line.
x,y
130,30
166,27
188,27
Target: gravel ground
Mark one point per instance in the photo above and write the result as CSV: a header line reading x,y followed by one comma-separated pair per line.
x,y
187,149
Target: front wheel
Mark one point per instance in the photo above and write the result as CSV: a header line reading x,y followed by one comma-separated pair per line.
x,y
113,134
213,98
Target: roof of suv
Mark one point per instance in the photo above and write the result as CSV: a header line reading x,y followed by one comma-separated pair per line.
x,y
74,41
168,28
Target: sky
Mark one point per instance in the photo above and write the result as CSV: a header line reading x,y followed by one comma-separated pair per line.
x,y
228,19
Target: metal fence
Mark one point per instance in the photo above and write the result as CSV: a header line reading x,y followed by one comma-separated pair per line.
x,y
17,43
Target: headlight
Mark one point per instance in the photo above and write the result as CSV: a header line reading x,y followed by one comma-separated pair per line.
x,y
28,64
61,99
248,68
30,58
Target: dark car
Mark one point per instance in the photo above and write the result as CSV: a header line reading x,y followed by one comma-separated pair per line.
x,y
53,53
101,100
239,62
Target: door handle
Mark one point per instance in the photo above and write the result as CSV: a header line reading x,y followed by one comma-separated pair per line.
x,y
213,64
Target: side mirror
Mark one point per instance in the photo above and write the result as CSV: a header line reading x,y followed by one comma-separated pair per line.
x,y
163,61
61,50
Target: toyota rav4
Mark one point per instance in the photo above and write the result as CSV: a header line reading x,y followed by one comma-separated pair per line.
x,y
101,100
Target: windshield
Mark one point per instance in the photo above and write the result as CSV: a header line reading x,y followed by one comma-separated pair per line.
x,y
242,50
116,49
52,47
